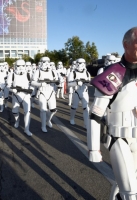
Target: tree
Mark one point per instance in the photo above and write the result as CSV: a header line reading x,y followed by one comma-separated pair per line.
x,y
27,58
10,61
37,57
74,48
91,53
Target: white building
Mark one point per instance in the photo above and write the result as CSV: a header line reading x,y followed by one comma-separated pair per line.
x,y
23,28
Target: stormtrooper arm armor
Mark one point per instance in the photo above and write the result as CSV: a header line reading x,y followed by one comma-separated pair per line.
x,y
71,80
97,111
35,82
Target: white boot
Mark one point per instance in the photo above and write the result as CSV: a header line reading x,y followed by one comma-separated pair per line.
x,y
72,116
62,93
58,92
70,99
27,123
43,121
49,119
85,117
1,105
16,116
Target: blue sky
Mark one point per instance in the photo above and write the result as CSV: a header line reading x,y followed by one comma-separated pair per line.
x,y
103,22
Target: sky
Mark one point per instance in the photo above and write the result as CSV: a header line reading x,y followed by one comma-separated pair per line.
x,y
103,22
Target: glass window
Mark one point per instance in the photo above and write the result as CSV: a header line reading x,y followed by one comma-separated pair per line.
x,y
1,53
7,53
26,52
13,53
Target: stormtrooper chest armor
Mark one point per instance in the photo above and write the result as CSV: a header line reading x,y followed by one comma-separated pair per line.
x,y
81,75
21,81
46,75
122,116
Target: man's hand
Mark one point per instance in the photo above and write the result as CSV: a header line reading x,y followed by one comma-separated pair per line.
x,y
95,156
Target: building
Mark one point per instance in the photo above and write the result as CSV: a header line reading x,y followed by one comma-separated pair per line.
x,y
23,28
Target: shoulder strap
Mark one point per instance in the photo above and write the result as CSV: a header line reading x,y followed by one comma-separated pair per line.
x,y
74,73
53,74
13,77
28,76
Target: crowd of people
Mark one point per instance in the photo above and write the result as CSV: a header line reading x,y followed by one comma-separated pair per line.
x,y
44,83
113,111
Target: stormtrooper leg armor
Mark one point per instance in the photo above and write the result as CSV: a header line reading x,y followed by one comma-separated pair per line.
x,y
58,92
51,114
70,95
43,121
122,157
15,110
27,123
43,114
52,107
1,104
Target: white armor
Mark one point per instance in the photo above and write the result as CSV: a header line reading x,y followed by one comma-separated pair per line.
x,y
70,89
61,74
81,90
121,139
53,68
19,79
4,91
46,92
110,59
33,95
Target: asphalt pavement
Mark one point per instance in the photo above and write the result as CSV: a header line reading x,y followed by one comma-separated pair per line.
x,y
52,165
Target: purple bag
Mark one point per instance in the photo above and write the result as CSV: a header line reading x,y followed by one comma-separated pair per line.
x,y
110,80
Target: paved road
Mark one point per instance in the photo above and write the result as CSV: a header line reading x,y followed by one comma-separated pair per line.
x,y
52,165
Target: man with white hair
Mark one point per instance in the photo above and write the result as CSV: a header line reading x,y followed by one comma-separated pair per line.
x,y
116,98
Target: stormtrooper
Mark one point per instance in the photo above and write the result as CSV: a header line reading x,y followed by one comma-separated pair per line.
x,y
61,74
115,106
34,68
18,82
53,68
29,68
4,92
44,79
79,79
70,89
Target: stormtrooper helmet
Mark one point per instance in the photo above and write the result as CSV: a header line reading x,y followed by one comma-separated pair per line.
x,y
6,66
73,65
39,64
110,59
52,65
28,66
20,67
59,65
45,64
80,64
2,67
34,67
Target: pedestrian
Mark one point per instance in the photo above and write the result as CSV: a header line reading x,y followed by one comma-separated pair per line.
x,y
116,97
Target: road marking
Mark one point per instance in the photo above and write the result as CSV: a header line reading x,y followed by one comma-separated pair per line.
x,y
102,166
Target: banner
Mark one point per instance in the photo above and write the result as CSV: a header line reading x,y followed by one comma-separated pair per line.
x,y
23,19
